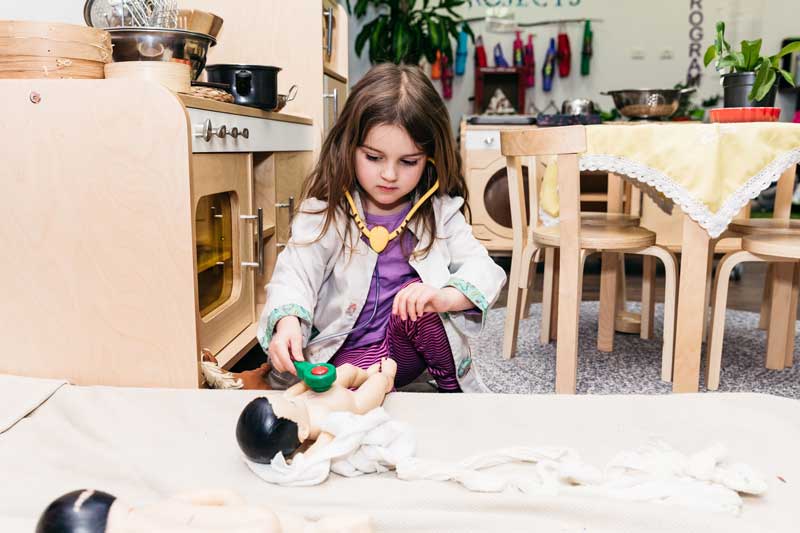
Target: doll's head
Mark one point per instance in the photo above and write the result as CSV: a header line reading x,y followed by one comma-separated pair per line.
x,y
261,434
80,511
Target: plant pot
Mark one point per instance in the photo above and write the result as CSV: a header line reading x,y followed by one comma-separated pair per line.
x,y
737,86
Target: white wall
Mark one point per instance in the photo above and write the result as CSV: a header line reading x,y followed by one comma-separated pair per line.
x,y
650,25
653,26
69,11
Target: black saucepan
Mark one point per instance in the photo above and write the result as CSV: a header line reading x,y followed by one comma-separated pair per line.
x,y
251,85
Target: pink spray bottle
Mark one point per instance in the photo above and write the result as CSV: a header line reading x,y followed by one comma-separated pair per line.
x,y
530,63
519,54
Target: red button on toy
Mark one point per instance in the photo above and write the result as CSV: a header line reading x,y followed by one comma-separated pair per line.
x,y
319,370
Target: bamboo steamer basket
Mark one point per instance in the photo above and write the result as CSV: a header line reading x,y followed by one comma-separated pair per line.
x,y
174,76
52,50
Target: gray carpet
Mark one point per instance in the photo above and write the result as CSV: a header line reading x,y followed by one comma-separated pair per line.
x,y
635,364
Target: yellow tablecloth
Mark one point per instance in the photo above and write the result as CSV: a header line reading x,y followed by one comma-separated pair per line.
x,y
710,170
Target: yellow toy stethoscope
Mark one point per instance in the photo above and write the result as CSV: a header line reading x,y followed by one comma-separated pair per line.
x,y
380,237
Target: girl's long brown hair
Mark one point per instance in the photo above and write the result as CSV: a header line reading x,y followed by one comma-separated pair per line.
x,y
397,95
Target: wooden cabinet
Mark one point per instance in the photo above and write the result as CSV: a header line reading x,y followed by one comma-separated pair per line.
x,y
278,188
222,209
335,89
134,243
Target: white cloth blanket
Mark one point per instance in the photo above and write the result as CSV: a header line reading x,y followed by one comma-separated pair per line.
x,y
363,444
655,472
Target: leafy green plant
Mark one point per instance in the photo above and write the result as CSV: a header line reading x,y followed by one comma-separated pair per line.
x,y
749,59
401,32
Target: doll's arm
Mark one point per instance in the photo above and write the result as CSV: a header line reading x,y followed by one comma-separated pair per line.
x,y
350,376
296,390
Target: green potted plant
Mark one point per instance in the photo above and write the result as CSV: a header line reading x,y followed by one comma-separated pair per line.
x,y
403,32
748,78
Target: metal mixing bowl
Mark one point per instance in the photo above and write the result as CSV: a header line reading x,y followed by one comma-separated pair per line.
x,y
648,103
155,44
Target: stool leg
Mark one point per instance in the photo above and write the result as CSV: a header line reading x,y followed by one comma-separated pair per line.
x,y
670,263
648,296
792,318
549,325
608,301
766,298
709,280
554,310
527,278
778,328
513,308
719,304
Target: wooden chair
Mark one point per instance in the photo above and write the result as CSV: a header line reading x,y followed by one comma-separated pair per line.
x,y
622,209
783,253
781,282
574,239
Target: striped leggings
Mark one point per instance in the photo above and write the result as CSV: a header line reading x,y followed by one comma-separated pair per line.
x,y
415,346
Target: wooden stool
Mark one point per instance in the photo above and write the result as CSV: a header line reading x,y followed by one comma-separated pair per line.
x,y
783,251
573,238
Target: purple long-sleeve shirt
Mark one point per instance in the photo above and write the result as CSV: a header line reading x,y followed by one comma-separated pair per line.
x,y
393,272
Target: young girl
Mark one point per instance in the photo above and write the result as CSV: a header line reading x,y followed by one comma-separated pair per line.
x,y
382,262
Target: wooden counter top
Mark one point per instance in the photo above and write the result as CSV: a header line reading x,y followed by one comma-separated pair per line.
x,y
234,109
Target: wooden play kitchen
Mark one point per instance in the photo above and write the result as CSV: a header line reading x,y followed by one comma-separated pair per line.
x,y
160,215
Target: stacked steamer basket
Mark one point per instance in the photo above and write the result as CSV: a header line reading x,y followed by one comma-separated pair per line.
x,y
52,50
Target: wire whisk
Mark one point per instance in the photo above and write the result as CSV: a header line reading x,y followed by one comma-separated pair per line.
x,y
143,13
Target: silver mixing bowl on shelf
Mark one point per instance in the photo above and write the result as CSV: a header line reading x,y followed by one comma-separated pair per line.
x,y
161,44
648,103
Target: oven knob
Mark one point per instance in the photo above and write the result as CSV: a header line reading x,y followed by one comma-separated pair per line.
x,y
234,132
488,140
205,131
246,133
222,132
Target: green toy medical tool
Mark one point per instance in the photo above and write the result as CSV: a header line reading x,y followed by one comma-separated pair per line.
x,y
318,377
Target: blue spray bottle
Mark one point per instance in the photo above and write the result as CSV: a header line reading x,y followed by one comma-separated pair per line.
x,y
549,67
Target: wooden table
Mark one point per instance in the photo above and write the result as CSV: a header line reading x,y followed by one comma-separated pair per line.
x,y
694,284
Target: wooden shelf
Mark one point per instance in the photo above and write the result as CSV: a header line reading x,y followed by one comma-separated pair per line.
x,y
594,197
209,259
333,74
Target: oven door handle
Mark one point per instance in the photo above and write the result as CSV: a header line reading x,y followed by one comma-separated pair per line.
x,y
259,218
290,206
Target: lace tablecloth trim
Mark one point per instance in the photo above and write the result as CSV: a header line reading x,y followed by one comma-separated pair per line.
x,y
713,223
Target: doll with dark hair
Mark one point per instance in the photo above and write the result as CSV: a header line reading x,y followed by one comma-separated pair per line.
x,y
284,423
92,511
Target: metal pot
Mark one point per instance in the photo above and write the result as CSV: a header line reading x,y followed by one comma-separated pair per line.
x,y
251,85
648,103
153,44
578,106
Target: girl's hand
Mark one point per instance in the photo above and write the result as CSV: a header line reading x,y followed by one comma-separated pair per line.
x,y
419,298
286,345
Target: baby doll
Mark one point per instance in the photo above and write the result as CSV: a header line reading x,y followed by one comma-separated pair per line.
x,y
91,511
284,423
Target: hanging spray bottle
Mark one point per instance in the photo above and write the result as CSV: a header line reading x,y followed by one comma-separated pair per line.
x,y
586,51
519,59
549,67
530,63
